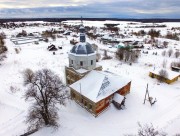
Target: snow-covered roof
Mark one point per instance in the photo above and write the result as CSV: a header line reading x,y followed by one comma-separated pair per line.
x,y
118,98
81,27
131,39
82,70
120,45
107,37
97,85
170,74
67,32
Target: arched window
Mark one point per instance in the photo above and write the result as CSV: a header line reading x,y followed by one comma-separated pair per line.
x,y
81,63
91,62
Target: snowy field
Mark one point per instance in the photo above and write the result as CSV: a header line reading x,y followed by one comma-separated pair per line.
x,y
75,121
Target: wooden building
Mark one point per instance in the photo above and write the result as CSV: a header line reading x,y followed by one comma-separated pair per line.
x,y
96,90
73,42
170,77
119,101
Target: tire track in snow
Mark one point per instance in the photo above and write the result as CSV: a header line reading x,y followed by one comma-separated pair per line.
x,y
168,115
12,124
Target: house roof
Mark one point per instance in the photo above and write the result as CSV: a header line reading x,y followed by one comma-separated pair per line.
x,y
97,85
170,74
107,37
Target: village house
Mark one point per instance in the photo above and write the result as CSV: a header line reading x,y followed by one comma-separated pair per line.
x,y
175,68
96,90
90,87
67,32
169,78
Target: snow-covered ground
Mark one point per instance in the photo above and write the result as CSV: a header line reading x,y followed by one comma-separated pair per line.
x,y
75,121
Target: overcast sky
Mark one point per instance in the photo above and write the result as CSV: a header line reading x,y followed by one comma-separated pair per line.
x,y
90,8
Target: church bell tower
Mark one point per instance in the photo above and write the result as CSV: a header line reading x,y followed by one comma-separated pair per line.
x,y
82,32
82,59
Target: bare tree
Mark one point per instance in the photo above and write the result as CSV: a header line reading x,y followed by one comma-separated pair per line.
x,y
3,35
134,55
164,64
177,54
98,56
127,55
165,44
105,53
153,33
106,56
170,52
3,49
162,75
172,36
45,90
53,36
2,57
164,53
148,130
120,54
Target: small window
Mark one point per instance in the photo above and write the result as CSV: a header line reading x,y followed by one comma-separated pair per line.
x,y
71,61
90,106
81,63
91,62
68,81
107,101
85,103
73,95
82,100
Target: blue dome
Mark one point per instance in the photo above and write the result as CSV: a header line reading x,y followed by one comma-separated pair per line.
x,y
82,48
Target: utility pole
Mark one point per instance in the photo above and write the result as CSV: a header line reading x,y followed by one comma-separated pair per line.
x,y
146,94
149,98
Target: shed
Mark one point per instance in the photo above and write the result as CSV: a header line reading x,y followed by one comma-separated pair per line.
x,y
174,68
52,48
119,101
67,33
170,78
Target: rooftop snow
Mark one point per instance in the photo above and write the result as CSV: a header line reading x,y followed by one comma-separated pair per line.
x,y
170,74
81,70
118,98
91,85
